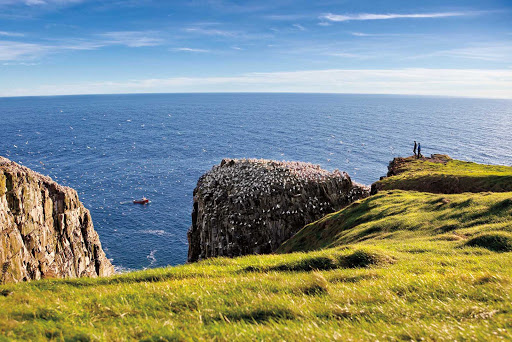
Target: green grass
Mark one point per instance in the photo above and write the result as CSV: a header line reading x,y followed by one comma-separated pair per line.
x,y
464,292
449,176
399,215
397,266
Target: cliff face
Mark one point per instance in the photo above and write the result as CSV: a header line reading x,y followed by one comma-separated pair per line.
x,y
45,232
251,206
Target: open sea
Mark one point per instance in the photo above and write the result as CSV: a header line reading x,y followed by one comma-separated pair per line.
x,y
116,148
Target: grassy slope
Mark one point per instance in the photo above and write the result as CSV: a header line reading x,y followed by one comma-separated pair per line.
x,y
397,215
448,176
395,266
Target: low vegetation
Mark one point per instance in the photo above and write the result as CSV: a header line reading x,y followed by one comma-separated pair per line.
x,y
400,265
441,174
396,216
391,290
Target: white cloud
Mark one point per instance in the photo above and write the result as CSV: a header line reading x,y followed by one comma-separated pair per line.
x,y
38,2
372,16
286,17
11,34
186,49
211,32
345,54
20,63
19,52
132,38
11,51
299,27
362,34
417,81
495,52
482,53
226,34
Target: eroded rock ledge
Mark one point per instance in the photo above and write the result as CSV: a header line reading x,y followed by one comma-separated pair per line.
x,y
45,232
251,206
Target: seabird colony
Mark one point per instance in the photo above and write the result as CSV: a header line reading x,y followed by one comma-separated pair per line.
x,y
247,206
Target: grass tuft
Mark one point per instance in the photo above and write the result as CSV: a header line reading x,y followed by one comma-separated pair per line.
x,y
315,285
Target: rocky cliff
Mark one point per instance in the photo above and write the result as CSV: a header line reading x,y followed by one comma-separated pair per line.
x,y
45,232
251,206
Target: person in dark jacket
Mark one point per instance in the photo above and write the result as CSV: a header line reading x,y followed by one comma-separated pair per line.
x,y
415,147
419,150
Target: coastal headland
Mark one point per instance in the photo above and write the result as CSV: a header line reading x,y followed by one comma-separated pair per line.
x,y
426,257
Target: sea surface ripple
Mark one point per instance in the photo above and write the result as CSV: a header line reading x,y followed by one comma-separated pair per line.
x,y
116,148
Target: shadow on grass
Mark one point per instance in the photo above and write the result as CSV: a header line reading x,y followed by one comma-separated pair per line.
x,y
258,315
496,241
130,278
357,259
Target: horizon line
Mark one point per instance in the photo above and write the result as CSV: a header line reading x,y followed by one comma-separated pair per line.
x,y
261,92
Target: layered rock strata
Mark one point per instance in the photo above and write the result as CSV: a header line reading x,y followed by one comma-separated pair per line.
x,y
45,232
251,206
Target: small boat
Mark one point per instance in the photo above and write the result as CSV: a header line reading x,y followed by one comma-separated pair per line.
x,y
143,200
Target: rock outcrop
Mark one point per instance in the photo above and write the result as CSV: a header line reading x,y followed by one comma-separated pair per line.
x,y
45,232
251,206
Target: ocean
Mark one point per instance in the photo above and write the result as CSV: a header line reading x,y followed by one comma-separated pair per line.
x,y
116,148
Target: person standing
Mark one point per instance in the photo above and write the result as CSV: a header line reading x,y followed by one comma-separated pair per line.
x,y
415,146
419,150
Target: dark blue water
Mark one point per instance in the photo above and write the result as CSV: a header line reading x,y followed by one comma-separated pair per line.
x,y
114,148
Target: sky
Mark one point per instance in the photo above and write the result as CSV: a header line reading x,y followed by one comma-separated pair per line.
x,y
62,47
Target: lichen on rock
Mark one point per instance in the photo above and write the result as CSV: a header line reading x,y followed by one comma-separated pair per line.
x,y
45,231
251,206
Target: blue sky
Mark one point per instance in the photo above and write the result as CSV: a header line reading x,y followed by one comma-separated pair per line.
x,y
456,48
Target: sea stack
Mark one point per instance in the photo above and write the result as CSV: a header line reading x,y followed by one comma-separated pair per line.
x,y
251,206
45,232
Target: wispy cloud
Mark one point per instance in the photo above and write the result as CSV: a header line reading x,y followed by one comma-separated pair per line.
x,y
285,17
372,16
226,33
496,52
346,55
19,51
448,82
186,49
12,51
485,54
19,63
362,34
38,2
132,38
211,32
299,27
11,34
